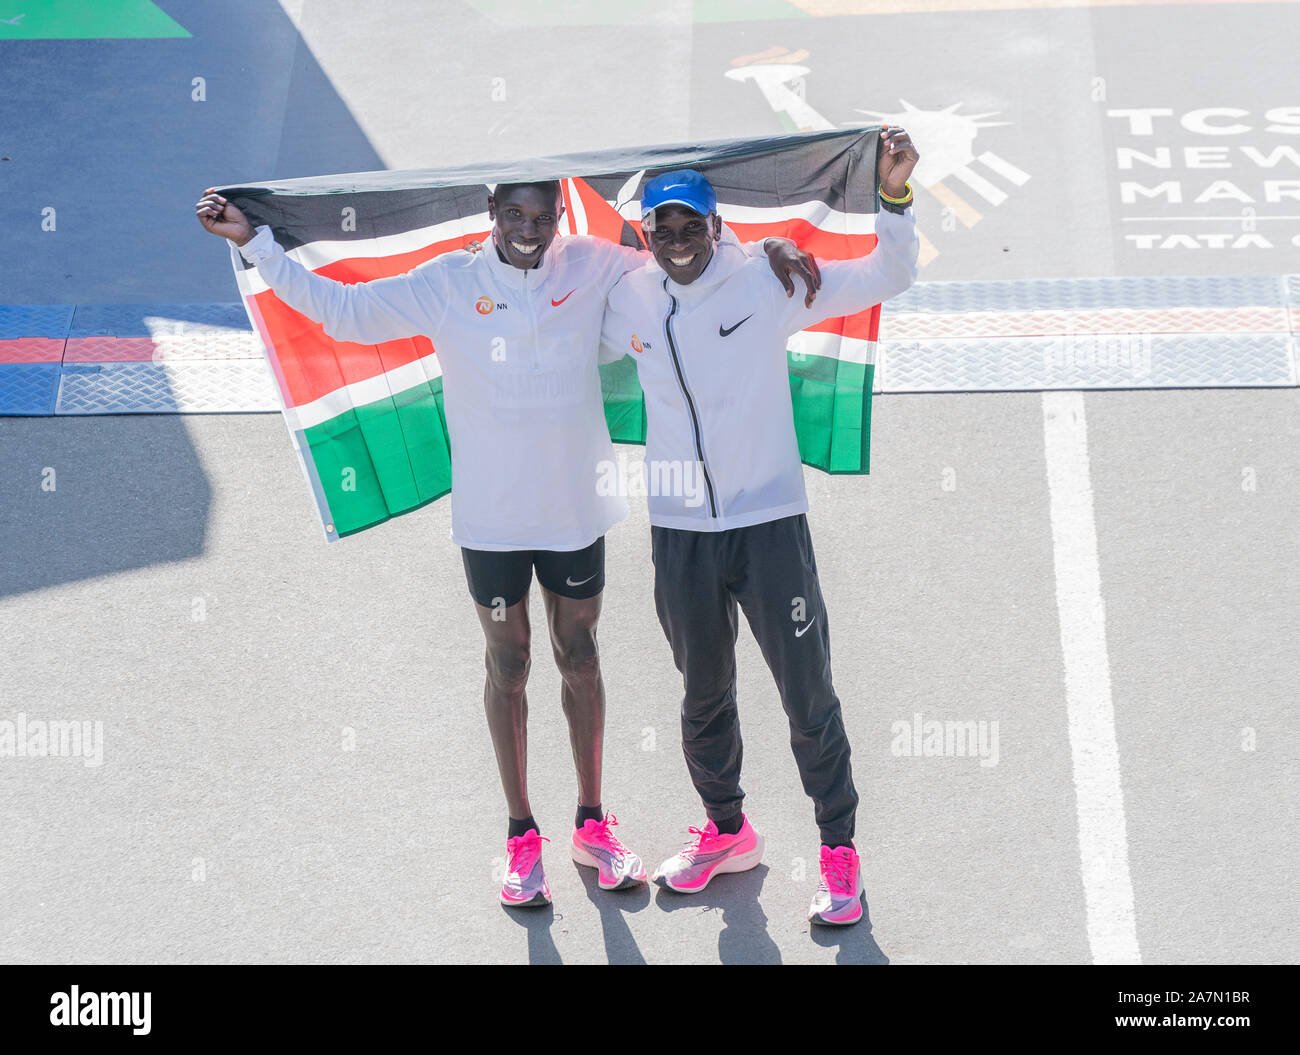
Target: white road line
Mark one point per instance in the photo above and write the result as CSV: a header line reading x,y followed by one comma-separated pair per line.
x,y
986,190
1004,168
1103,833
1180,219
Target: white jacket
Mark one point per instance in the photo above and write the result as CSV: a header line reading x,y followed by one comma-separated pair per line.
x,y
521,390
711,357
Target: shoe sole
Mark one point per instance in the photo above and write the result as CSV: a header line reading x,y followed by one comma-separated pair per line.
x,y
742,863
583,858
821,920
536,901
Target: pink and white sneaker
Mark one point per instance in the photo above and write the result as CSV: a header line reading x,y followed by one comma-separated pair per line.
x,y
525,884
596,846
838,901
711,853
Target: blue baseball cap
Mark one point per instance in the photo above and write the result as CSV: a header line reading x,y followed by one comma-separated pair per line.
x,y
682,187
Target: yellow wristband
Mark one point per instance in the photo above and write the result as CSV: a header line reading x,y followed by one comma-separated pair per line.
x,y
896,201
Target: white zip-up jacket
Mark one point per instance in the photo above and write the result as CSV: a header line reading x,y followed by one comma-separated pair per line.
x,y
521,389
721,450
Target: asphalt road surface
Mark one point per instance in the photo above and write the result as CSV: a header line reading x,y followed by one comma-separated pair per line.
x,y
286,757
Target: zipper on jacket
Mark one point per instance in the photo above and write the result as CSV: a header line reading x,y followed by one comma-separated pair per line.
x,y
532,317
690,403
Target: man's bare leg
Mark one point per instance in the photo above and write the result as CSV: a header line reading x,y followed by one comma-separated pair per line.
x,y
507,661
572,624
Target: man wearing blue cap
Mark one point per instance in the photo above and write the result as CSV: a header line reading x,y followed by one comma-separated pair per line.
x,y
528,434
708,332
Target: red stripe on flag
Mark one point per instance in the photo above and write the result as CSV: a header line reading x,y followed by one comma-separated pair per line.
x,y
313,364
865,325
603,221
566,203
364,268
826,245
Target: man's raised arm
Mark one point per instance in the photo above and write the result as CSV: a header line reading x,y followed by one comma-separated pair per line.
x,y
850,286
384,309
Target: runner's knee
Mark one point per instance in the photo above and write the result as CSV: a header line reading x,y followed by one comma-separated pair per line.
x,y
576,654
508,664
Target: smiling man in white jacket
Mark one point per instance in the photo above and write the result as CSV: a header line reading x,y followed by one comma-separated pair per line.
x,y
517,332
708,330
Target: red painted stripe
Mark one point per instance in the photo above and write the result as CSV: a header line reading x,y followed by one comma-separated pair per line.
x,y
32,350
109,350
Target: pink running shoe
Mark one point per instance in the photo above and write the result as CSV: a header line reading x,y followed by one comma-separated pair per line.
x,y
838,900
525,884
598,847
711,853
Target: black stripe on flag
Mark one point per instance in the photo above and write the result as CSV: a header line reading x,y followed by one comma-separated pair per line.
x,y
836,167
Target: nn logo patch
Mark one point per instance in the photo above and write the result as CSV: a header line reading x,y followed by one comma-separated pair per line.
x,y
639,345
485,306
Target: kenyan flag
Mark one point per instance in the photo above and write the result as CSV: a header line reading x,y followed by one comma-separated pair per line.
x,y
368,421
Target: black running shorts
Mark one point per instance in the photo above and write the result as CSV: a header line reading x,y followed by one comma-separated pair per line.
x,y
499,577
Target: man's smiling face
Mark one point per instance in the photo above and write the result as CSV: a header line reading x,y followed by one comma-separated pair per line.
x,y
682,240
526,218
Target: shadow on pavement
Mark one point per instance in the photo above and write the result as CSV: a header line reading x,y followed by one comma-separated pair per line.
x,y
744,937
131,491
538,922
855,942
620,946
90,496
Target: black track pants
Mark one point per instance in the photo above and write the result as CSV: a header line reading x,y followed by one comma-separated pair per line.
x,y
770,570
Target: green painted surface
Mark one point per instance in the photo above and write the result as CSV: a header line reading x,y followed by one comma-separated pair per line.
x,y
85,20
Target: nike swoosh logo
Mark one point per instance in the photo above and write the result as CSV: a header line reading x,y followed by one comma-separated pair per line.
x,y
608,856
724,331
557,303
569,581
709,858
803,629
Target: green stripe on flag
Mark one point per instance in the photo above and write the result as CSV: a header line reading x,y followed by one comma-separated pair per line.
x,y
831,399
832,412
383,459
624,401
389,457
